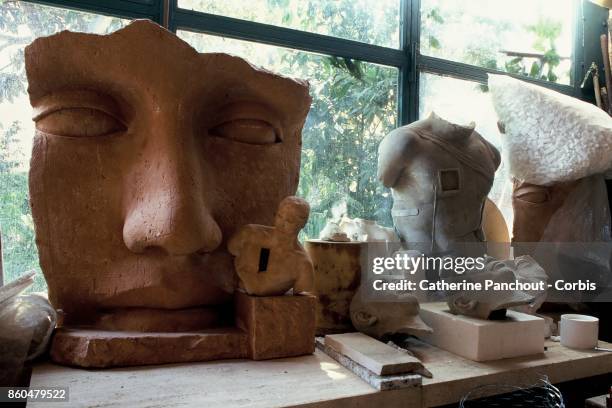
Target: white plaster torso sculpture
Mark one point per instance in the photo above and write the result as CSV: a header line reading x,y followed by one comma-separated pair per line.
x,y
439,174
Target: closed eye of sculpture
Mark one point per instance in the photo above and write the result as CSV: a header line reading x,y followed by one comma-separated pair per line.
x,y
249,123
78,114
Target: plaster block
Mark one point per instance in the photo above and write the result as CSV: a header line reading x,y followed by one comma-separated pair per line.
x,y
518,335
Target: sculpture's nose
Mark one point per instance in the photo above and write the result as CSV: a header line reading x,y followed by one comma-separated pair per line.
x,y
166,209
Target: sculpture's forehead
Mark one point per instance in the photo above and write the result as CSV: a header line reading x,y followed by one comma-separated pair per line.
x,y
144,57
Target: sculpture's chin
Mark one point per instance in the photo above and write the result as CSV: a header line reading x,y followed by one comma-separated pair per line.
x,y
160,320
191,295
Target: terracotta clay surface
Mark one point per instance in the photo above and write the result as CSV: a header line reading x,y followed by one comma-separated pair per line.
x,y
277,326
270,260
147,157
99,349
534,206
161,321
267,327
440,174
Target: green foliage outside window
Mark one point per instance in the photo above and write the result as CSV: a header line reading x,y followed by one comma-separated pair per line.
x,y
20,23
354,103
485,45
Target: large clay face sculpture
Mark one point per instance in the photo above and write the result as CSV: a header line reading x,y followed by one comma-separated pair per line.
x,y
440,174
147,157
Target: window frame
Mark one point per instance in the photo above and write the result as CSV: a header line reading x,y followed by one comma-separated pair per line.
x,y
407,58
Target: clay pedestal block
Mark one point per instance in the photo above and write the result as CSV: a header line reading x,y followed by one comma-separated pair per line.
x,y
98,348
337,273
267,327
518,335
277,326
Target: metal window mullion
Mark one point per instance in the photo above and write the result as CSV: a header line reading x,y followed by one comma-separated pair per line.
x,y
283,37
415,39
115,8
473,73
405,72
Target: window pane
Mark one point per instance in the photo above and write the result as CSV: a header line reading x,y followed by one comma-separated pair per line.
x,y
21,23
526,37
462,102
360,20
354,106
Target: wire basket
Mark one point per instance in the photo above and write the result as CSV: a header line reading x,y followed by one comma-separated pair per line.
x,y
540,395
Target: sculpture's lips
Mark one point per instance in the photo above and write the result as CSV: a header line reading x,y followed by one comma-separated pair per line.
x,y
165,282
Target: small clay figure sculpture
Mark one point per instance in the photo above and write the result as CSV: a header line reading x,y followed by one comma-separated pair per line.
x,y
270,260
439,174
381,319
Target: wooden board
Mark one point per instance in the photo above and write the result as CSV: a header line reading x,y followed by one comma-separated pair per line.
x,y
381,383
372,354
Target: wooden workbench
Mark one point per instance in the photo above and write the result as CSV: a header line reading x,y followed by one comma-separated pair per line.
x,y
315,380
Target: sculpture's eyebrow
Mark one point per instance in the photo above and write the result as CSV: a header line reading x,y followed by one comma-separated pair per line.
x,y
75,62
119,66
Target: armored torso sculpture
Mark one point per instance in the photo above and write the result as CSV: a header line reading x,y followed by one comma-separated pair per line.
x,y
440,174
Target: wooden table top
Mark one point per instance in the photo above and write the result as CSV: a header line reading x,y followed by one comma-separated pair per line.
x,y
314,380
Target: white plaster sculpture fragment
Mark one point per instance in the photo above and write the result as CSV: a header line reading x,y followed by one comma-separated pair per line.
x,y
332,232
357,229
382,319
528,270
26,325
492,303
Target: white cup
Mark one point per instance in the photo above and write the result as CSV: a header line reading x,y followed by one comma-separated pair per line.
x,y
579,331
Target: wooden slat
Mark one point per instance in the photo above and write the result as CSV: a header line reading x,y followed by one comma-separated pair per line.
x,y
374,355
